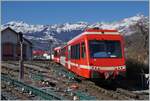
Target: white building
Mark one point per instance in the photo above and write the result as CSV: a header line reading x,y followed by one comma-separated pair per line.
x,y
10,46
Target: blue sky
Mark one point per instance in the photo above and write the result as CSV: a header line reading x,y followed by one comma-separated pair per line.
x,y
56,12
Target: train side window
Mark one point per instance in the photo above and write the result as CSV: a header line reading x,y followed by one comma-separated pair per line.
x,y
75,51
55,53
63,51
71,52
83,52
78,51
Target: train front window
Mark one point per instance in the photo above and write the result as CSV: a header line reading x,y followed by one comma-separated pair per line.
x,y
105,49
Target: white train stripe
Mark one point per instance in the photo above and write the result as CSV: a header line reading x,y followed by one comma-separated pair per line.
x,y
96,67
100,33
85,66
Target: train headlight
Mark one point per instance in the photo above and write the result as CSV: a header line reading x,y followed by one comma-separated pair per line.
x,y
121,67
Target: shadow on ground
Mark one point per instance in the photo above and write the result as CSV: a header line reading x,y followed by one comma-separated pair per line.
x,y
135,78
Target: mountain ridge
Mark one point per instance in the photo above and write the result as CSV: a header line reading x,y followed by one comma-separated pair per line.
x,y
40,35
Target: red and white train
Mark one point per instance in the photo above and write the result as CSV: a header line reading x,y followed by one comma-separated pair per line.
x,y
93,54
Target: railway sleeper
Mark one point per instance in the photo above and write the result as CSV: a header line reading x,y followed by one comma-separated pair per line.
x,y
65,74
33,89
15,91
127,93
109,93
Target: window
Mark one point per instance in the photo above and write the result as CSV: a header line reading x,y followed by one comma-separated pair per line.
x,y
72,52
105,49
78,51
55,53
83,52
63,51
75,51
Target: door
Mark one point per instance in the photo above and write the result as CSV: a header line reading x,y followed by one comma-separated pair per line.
x,y
83,59
69,56
7,50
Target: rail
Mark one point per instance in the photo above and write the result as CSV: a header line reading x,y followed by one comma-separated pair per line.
x,y
34,90
84,96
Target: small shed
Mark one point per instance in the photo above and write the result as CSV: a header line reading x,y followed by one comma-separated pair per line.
x,y
10,46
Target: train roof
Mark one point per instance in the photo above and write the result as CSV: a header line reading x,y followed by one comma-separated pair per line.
x,y
96,31
100,30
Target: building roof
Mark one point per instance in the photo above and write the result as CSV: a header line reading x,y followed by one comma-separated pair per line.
x,y
8,28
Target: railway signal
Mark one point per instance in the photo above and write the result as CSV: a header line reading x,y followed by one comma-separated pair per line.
x,y
50,44
21,69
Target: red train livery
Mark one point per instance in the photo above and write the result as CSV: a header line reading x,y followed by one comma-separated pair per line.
x,y
94,54
56,57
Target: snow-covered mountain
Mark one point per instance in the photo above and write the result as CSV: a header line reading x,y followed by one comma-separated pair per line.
x,y
40,35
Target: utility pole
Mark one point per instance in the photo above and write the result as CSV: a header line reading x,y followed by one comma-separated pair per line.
x,y
50,44
21,68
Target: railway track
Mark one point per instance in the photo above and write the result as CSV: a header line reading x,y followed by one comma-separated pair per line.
x,y
88,86
65,92
15,92
119,93
34,90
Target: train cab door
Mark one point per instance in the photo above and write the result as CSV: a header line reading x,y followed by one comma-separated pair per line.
x,y
69,56
83,58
